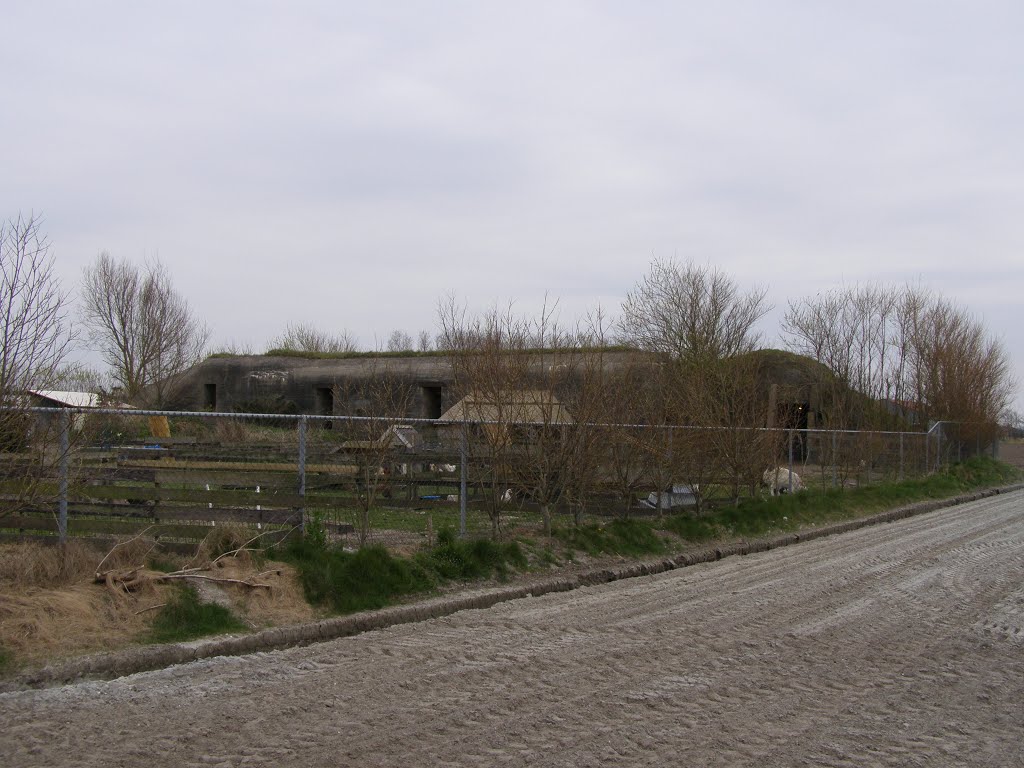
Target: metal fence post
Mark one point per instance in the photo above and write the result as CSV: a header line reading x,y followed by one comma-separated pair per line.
x,y
463,477
65,469
302,474
901,455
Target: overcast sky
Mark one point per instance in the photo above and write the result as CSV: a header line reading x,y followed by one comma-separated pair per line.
x,y
348,164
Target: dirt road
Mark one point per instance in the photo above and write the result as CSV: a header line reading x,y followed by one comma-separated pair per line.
x,y
895,645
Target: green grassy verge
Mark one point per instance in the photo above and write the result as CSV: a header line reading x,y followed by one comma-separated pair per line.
x,y
185,618
618,537
372,577
760,516
345,582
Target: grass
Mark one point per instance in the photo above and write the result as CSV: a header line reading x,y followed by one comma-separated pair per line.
x,y
692,529
759,516
619,537
460,559
5,659
372,577
346,582
185,618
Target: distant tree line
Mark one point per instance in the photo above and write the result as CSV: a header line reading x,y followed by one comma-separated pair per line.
x,y
886,355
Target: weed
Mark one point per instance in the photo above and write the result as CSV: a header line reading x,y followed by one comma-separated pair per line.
x,y
315,531
185,618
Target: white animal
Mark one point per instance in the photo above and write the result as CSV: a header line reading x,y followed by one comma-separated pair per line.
x,y
780,480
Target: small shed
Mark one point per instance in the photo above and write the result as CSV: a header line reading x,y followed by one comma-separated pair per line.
x,y
397,436
51,398
506,416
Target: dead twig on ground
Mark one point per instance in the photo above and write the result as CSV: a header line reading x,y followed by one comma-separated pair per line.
x,y
137,536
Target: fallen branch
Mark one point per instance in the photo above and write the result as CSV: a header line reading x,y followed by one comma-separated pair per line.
x,y
121,544
151,608
250,541
173,576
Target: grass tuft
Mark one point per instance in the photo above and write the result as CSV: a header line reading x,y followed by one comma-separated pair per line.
x,y
185,618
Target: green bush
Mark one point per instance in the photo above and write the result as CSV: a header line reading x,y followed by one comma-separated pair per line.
x,y
185,618
354,581
371,577
454,558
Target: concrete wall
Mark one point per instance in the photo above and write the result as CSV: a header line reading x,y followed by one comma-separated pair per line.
x,y
299,385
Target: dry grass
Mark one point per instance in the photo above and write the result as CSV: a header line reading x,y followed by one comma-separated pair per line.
x,y
50,607
284,603
34,564
38,625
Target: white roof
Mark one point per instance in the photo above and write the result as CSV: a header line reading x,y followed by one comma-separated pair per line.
x,y
70,399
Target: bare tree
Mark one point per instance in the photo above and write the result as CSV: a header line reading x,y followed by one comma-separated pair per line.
x,y
724,398
144,329
425,342
234,348
35,338
894,357
375,441
551,460
76,377
699,323
489,369
400,341
691,311
960,372
36,331
304,337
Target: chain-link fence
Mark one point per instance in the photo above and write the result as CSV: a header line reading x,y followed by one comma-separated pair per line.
x,y
178,476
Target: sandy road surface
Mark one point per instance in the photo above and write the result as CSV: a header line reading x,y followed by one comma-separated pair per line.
x,y
899,645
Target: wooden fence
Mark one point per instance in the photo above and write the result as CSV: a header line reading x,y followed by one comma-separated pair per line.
x,y
178,489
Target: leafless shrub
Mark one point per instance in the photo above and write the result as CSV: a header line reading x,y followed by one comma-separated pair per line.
x,y
304,337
